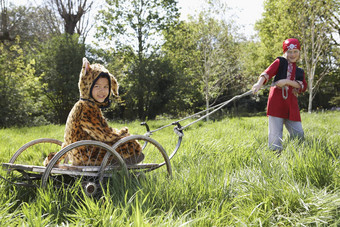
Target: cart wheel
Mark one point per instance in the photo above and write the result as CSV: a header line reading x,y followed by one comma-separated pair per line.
x,y
35,151
153,155
63,173
31,154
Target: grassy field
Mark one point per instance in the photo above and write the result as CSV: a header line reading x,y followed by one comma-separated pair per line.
x,y
223,175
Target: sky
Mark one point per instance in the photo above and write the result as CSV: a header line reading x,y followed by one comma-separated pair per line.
x,y
245,12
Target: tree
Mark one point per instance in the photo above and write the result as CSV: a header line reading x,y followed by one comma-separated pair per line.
x,y
334,16
314,24
73,13
180,48
207,52
59,68
58,59
19,88
219,63
34,25
135,27
4,31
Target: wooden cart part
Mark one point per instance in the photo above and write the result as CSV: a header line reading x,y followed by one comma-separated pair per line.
x,y
74,170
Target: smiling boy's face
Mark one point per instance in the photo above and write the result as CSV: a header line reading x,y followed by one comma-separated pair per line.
x,y
101,89
293,55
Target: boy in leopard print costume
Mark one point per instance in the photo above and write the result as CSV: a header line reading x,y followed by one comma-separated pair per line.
x,y
86,121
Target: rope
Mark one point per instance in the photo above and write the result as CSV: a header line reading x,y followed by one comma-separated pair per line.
x,y
216,107
221,105
285,92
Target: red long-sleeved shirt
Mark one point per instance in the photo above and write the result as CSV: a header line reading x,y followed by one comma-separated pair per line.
x,y
277,106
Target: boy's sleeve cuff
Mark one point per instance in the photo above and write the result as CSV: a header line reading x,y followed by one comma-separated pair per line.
x,y
265,76
301,86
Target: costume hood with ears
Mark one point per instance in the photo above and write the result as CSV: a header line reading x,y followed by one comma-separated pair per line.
x,y
89,75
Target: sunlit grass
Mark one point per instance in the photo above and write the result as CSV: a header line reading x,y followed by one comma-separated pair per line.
x,y
223,175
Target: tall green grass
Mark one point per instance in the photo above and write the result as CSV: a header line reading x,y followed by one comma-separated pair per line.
x,y
223,175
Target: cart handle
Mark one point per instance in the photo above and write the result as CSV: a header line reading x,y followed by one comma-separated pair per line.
x,y
177,129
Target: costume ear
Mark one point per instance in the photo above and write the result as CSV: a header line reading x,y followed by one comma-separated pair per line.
x,y
114,85
86,66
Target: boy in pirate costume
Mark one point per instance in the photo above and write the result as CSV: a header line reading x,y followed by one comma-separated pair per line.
x,y
282,105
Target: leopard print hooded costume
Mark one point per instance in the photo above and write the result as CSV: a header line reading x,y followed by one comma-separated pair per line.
x,y
86,121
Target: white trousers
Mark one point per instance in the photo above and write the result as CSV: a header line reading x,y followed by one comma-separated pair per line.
x,y
275,131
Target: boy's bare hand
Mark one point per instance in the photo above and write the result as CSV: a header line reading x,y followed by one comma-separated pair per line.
x,y
281,83
296,92
256,87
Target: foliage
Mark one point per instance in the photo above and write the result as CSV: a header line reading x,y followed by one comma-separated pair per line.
x,y
19,88
154,91
140,24
205,52
59,68
34,25
165,67
223,175
181,50
136,23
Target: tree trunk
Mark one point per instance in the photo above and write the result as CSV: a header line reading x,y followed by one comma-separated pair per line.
x,y
310,99
4,33
207,104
